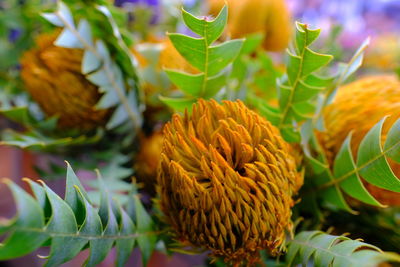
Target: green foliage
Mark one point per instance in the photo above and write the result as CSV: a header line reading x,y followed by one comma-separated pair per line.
x,y
72,224
320,170
210,60
39,133
315,248
371,164
299,87
119,88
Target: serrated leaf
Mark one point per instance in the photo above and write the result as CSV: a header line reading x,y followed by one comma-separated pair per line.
x,y
62,220
210,60
305,36
125,246
71,196
29,215
144,224
328,250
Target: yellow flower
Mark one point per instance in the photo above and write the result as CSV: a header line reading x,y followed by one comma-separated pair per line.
x,y
52,76
383,53
357,107
270,17
147,160
226,181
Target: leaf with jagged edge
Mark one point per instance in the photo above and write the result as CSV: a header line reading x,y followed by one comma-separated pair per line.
x,y
316,248
323,172
371,165
300,86
35,140
211,60
73,224
39,134
99,67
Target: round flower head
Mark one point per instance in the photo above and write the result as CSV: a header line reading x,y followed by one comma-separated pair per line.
x,y
52,76
270,17
357,107
226,181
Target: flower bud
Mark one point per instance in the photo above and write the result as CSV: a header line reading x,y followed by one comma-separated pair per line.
x,y
226,181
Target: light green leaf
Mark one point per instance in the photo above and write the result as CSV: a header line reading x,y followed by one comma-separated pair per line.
x,y
192,49
210,30
375,168
221,55
353,186
191,84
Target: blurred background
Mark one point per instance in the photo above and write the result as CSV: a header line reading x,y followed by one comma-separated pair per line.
x,y
345,25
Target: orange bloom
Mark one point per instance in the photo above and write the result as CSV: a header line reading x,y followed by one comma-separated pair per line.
x,y
357,107
270,17
147,160
52,76
226,181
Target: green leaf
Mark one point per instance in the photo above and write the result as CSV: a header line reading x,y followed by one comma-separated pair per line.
x,y
392,142
28,230
221,55
353,186
372,165
190,84
100,67
192,49
35,140
20,241
300,86
328,250
210,30
125,246
144,225
63,248
211,60
376,170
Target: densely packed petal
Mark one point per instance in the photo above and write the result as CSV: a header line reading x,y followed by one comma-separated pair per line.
x,y
226,181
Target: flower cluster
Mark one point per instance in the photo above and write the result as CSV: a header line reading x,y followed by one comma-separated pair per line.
x,y
226,181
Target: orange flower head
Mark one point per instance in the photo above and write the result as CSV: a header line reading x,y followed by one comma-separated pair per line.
x,y
52,76
270,17
358,106
226,181
147,160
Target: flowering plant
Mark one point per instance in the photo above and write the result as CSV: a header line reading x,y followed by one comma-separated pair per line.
x,y
202,141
